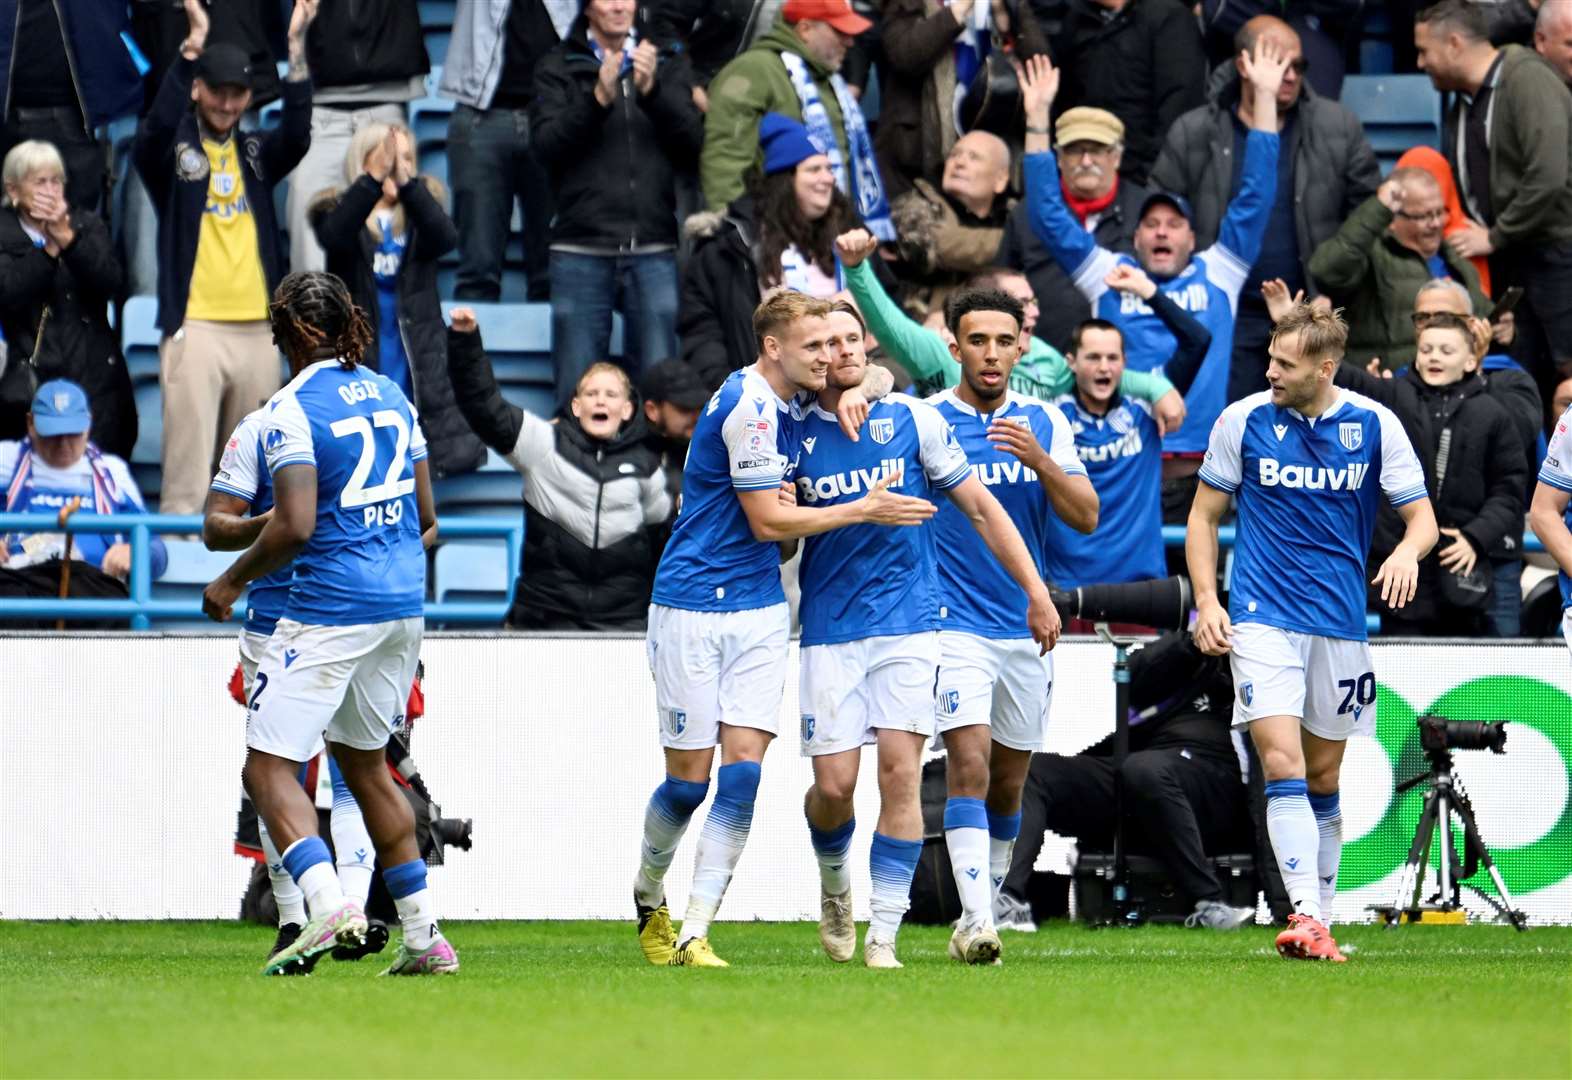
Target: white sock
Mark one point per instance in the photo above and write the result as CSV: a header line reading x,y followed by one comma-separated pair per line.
x,y
721,841
309,863
1296,842
352,849
420,923
966,837
999,852
833,851
287,896
1329,824
891,864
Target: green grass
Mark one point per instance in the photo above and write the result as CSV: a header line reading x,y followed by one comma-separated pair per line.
x,y
184,999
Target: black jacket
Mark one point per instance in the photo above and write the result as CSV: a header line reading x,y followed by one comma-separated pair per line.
x,y
78,343
251,25
590,546
1487,472
1145,65
1334,168
613,170
169,155
102,71
339,220
366,41
1061,303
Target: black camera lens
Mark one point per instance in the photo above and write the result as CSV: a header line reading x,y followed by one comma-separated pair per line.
x,y
453,832
1438,733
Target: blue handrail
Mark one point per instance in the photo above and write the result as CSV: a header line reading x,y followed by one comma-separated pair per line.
x,y
1173,536
141,608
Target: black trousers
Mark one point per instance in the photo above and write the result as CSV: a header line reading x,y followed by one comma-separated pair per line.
x,y
1544,317
1179,806
42,582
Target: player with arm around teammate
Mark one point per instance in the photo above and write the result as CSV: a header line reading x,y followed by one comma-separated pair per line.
x,y
1551,511
718,624
995,683
870,651
353,511
1306,463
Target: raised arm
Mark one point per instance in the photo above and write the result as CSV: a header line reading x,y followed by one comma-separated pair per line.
x,y
497,421
974,500
921,352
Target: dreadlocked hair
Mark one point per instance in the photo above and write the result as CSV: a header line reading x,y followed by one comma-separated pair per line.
x,y
313,310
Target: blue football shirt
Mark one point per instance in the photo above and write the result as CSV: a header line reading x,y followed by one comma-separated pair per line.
x,y
1557,472
364,563
978,596
243,474
1307,492
866,581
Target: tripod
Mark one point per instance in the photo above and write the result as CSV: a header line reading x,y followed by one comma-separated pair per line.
x,y
1126,912
1443,801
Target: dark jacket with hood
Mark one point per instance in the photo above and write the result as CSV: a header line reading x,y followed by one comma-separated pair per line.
x,y
169,155
78,343
107,82
613,169
1334,168
339,220
1484,494
595,512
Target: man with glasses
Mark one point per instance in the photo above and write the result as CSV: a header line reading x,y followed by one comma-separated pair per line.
x,y
1326,169
1089,144
1377,262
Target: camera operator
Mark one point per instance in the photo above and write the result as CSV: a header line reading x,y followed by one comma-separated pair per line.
x,y
1184,794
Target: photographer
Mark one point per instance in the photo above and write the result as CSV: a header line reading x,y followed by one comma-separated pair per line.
x,y
1184,796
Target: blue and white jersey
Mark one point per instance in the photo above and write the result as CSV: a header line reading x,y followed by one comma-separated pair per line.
x,y
1122,453
364,563
868,581
978,596
30,485
1307,492
745,440
1208,287
243,474
1557,472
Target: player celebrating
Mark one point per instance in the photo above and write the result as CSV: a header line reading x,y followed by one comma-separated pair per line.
x,y
718,621
347,461
995,684
239,503
1551,512
1307,463
870,653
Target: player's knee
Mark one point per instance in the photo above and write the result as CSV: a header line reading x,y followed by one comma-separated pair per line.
x,y
1323,779
836,788
967,774
1282,763
898,776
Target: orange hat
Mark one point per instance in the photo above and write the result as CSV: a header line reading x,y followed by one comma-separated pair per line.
x,y
837,13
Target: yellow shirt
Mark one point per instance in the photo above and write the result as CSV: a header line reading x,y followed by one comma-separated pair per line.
x,y
227,283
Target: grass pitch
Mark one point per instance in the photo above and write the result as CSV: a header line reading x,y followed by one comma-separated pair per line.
x,y
184,999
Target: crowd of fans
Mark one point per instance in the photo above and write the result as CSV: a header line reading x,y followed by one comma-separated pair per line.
x,y
1150,178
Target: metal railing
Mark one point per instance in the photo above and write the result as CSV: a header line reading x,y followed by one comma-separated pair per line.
x,y
1173,536
141,608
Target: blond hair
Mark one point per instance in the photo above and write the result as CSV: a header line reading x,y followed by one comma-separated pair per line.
x,y
784,306
604,368
26,158
1322,334
361,143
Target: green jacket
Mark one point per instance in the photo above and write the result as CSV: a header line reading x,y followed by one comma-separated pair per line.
x,y
753,84
1375,279
1042,373
1530,148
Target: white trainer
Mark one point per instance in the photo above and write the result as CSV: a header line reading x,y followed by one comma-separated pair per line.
x,y
977,944
837,931
879,954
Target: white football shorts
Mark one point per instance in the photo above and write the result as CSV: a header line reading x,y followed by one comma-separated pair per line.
x,y
716,667
347,683
1003,683
252,647
1329,683
851,689
1566,626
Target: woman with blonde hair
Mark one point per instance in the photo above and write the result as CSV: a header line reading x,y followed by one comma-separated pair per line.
x,y
383,234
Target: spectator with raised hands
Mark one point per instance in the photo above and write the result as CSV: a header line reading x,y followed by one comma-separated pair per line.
x,y
58,276
383,234
1207,283
1376,263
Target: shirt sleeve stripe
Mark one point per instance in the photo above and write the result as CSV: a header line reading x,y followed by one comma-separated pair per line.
x,y
954,478
418,455
298,459
230,490
756,485
1213,480
1403,498
1560,483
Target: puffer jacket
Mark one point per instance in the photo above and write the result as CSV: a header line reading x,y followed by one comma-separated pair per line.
x,y
1334,168
339,220
595,512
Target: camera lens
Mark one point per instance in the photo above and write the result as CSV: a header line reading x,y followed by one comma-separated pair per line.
x,y
453,832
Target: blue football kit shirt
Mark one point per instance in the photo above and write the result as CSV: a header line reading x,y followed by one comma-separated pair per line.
x,y
1557,472
1123,454
364,562
867,581
1307,492
745,440
243,474
978,596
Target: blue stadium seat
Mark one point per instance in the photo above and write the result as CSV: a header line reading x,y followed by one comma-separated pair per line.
x,y
150,423
540,400
1398,111
437,45
428,119
272,114
472,571
434,162
488,487
191,567
139,337
437,14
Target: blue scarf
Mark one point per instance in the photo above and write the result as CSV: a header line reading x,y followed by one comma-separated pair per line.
x,y
861,182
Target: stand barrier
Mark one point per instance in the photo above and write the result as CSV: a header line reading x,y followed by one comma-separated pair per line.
x,y
120,757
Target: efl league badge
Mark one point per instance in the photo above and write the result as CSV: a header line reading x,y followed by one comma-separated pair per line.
x,y
882,430
1352,436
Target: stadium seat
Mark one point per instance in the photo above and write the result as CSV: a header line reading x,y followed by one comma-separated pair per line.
x,y
150,423
1398,111
191,567
139,337
437,45
487,487
472,571
434,162
428,119
437,14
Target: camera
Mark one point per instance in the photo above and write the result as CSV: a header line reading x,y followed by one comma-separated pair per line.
x,y
1437,734
453,832
1161,603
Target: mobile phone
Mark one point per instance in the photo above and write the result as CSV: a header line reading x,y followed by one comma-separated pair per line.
x,y
1507,302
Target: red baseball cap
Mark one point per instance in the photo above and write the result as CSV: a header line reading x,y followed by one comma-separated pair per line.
x,y
837,13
